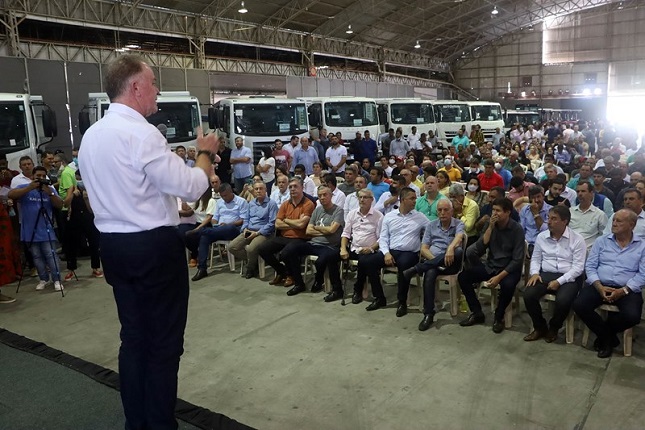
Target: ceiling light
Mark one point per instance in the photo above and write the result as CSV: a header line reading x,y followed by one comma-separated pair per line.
x,y
132,46
242,9
418,45
620,5
495,11
349,29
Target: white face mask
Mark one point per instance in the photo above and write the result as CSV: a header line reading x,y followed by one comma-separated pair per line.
x,y
498,166
472,188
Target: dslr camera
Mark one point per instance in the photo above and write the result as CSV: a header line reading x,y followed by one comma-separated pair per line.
x,y
44,182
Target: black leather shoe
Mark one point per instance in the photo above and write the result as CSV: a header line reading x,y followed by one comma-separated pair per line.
x,y
605,351
201,274
597,344
535,335
551,336
333,296
317,287
498,326
357,298
296,290
425,323
401,310
473,319
376,304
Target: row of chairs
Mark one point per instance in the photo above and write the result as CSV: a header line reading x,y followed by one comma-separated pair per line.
x,y
217,248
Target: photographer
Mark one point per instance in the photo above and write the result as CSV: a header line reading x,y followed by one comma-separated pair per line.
x,y
36,229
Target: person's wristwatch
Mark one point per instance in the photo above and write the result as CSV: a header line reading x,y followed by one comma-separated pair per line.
x,y
626,291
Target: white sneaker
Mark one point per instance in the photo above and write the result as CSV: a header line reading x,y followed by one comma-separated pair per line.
x,y
58,286
41,285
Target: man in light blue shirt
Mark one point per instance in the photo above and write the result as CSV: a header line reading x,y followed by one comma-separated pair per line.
x,y
442,248
262,215
615,275
377,186
306,156
533,217
399,245
460,140
242,161
231,216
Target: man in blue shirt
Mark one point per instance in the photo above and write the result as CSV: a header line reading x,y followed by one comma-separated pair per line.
x,y
367,148
442,248
533,217
377,185
230,217
460,140
36,229
399,245
615,275
262,215
242,161
306,156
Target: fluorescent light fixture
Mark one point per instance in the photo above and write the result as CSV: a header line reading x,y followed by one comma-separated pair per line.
x,y
349,29
132,46
418,45
523,93
495,11
243,9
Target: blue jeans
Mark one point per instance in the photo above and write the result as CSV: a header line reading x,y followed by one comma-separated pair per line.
x,y
210,235
238,183
149,276
45,258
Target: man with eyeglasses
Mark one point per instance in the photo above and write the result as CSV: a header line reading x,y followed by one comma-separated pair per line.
x,y
361,233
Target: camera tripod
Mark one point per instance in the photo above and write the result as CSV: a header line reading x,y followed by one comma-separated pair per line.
x,y
49,225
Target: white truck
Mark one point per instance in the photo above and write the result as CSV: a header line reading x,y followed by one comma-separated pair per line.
x,y
488,115
406,113
177,110
26,123
522,117
259,120
450,116
346,115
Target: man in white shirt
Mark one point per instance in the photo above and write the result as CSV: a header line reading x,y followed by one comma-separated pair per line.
x,y
308,184
586,219
352,200
292,147
144,258
413,139
26,172
557,264
280,193
337,196
633,201
336,156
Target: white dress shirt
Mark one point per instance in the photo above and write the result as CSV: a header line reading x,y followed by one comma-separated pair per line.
x,y
566,255
402,232
132,178
279,197
308,186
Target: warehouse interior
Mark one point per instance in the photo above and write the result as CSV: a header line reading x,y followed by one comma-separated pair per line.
x,y
270,361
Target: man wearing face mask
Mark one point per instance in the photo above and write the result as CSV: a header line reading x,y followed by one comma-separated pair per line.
x,y
472,171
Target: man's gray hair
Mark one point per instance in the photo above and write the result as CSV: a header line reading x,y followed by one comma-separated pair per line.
x,y
456,189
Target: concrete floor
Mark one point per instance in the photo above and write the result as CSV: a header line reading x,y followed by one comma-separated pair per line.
x,y
278,362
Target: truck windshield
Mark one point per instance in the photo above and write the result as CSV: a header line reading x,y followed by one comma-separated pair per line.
x,y
13,127
522,118
350,114
181,119
486,113
452,113
269,119
411,113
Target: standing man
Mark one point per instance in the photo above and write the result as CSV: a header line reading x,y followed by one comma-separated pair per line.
x,y
504,240
336,156
306,156
399,147
143,256
615,275
558,261
242,162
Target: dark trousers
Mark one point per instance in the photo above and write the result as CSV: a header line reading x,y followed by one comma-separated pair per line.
x,y
477,274
81,225
191,240
589,299
564,297
373,263
149,277
362,273
430,270
210,235
269,250
328,258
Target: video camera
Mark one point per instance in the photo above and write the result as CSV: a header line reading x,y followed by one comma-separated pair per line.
x,y
44,182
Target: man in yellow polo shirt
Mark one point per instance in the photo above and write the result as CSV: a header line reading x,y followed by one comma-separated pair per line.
x,y
453,172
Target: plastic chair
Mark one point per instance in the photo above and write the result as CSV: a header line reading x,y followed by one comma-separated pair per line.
x,y
452,282
627,334
217,245
309,262
569,324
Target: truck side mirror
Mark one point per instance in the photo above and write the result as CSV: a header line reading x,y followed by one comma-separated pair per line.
x,y
83,121
213,120
50,128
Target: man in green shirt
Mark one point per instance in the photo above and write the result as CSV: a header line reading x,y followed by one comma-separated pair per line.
x,y
427,204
